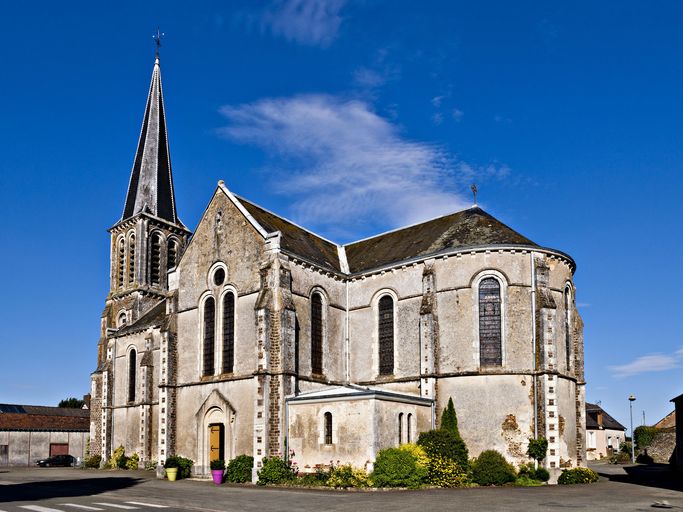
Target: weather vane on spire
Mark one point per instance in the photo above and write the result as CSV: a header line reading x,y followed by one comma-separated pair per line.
x,y
157,40
473,188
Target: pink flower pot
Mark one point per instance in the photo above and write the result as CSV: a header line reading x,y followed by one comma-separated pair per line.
x,y
217,475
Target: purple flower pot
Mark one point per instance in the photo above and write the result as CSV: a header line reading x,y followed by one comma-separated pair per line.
x,y
217,475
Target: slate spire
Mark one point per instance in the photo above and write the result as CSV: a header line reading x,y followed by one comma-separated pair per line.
x,y
151,184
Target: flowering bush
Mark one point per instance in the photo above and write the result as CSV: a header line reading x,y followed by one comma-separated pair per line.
x,y
445,444
274,471
348,476
578,476
421,458
133,462
444,472
118,458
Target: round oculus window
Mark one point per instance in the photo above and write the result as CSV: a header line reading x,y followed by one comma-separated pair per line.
x,y
219,277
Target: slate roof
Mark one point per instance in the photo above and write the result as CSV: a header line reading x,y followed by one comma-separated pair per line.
x,y
153,318
150,189
296,239
467,228
608,422
44,418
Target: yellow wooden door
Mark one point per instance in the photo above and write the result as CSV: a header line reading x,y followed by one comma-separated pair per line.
x,y
215,442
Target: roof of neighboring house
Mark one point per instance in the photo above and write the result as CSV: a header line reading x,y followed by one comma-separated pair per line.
x,y
667,421
38,417
608,422
677,399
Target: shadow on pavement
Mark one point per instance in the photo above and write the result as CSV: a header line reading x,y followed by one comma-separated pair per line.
x,y
661,476
63,488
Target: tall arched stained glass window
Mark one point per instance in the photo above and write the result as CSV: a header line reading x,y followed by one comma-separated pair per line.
x,y
209,335
567,326
132,373
228,332
386,335
316,334
490,343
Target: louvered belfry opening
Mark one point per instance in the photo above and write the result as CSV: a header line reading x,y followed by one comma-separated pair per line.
x,y
131,259
490,347
155,260
316,334
121,259
228,332
386,335
209,333
172,257
132,373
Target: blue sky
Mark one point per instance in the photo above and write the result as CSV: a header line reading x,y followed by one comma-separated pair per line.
x,y
351,117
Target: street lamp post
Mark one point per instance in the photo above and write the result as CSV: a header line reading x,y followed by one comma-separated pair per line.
x,y
632,399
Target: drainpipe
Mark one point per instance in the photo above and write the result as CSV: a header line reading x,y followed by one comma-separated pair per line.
x,y
533,340
346,341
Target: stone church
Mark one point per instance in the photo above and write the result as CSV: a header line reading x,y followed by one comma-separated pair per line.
x,y
253,335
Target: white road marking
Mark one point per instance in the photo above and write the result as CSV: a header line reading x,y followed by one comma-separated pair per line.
x,y
82,507
116,505
38,508
151,505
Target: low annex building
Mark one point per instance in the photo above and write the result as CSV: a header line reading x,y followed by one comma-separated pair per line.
x,y
604,434
32,432
253,331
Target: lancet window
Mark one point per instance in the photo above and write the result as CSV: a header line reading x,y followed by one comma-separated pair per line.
x,y
386,335
317,334
490,329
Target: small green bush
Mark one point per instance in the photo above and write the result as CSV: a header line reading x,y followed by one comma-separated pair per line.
x,y
118,458
183,464
538,448
274,471
445,444
491,468
578,476
398,468
525,481
239,469
93,461
542,474
528,471
151,465
133,462
445,472
348,476
644,436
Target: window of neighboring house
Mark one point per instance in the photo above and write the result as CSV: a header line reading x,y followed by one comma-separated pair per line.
x,y
172,254
131,259
155,260
316,334
228,332
386,335
209,335
132,374
328,428
400,428
590,444
490,343
121,259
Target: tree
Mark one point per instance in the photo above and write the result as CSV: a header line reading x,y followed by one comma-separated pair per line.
x,y
538,448
72,403
449,420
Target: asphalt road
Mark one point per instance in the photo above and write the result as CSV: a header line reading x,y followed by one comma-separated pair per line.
x,y
62,489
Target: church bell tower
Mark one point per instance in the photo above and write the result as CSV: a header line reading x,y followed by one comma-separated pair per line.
x,y
149,238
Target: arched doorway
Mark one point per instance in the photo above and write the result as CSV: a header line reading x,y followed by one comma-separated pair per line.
x,y
215,422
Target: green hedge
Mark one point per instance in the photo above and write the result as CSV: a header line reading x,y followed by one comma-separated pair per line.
x,y
239,469
491,468
398,468
274,470
578,476
446,444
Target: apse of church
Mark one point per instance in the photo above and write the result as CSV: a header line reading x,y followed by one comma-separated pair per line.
x,y
254,333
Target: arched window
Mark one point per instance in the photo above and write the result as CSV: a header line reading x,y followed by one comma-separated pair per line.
x,y
132,373
317,334
567,326
172,256
400,428
155,260
386,335
409,432
328,428
121,263
228,332
131,259
209,334
490,347
122,319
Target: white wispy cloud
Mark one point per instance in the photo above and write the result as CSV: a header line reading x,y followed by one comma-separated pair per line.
x,y
457,114
344,166
308,22
650,363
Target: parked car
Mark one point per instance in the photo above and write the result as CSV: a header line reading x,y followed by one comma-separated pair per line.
x,y
57,460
